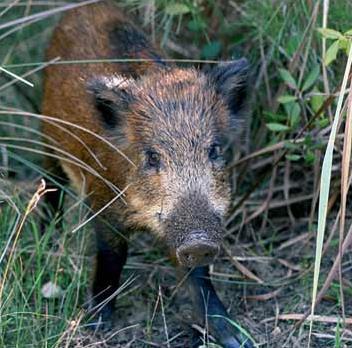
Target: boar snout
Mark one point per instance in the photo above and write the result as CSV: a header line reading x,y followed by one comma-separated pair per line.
x,y
197,250
194,230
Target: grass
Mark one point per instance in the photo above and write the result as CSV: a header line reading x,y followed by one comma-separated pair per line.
x,y
265,277
32,261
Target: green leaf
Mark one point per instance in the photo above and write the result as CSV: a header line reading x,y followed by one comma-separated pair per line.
x,y
309,158
345,45
330,33
288,78
196,25
291,145
308,140
323,122
293,158
211,50
273,117
286,99
338,334
348,33
295,115
316,100
292,44
311,78
176,9
277,127
331,53
293,111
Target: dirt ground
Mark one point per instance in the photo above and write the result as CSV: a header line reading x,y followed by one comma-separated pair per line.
x,y
283,287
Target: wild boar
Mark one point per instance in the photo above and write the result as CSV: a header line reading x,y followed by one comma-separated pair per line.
x,y
150,133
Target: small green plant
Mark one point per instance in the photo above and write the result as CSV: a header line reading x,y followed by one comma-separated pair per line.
x,y
340,42
337,336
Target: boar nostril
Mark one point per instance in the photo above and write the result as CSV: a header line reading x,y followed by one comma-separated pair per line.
x,y
197,253
189,258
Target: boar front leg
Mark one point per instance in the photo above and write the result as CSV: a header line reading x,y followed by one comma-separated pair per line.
x,y
53,199
111,257
211,311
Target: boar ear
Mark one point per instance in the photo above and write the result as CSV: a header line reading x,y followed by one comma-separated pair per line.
x,y
112,95
231,80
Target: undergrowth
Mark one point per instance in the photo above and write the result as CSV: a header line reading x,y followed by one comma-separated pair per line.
x,y
298,52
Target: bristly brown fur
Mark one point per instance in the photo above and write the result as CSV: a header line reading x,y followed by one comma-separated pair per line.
x,y
153,131
141,108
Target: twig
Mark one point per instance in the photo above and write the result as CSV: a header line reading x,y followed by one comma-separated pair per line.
x,y
244,270
301,317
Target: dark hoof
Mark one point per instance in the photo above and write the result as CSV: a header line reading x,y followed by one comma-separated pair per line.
x,y
101,319
199,341
234,343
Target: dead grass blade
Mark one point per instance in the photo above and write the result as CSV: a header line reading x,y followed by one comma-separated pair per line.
x,y
8,7
129,281
41,191
106,340
264,297
100,210
71,159
244,270
50,139
318,318
21,78
323,44
116,60
12,125
325,188
56,120
16,77
44,14
346,159
164,317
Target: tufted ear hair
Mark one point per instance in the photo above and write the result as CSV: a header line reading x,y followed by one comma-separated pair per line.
x,y
231,82
112,95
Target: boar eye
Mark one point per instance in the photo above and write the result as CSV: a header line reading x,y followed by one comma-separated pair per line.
x,y
215,152
153,159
